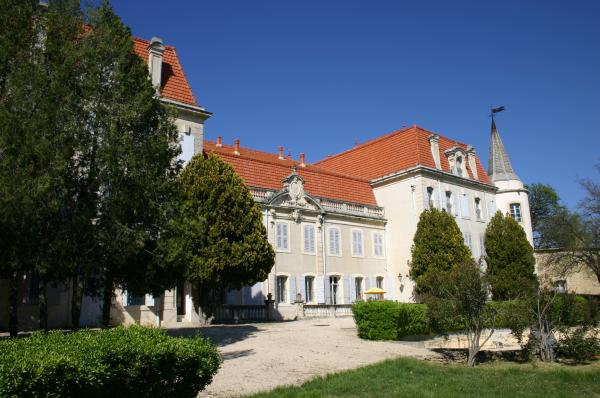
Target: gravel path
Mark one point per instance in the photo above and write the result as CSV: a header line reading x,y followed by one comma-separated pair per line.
x,y
262,356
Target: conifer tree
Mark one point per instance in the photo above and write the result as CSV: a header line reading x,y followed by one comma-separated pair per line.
x,y
438,245
217,236
509,258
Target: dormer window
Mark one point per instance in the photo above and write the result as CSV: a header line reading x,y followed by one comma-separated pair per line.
x,y
458,166
456,160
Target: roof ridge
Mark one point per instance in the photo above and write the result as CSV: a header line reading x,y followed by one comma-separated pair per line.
x,y
370,142
276,162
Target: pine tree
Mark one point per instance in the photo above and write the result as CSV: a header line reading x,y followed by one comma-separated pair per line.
x,y
509,258
217,236
438,245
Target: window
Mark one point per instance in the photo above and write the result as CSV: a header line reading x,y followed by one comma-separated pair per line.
x,y
309,288
378,244
515,211
459,166
334,242
478,213
33,289
281,289
560,286
379,282
468,241
465,208
449,202
482,245
282,236
358,284
491,208
334,289
308,233
136,299
430,198
357,242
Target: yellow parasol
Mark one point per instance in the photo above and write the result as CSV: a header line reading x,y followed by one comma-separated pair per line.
x,y
374,290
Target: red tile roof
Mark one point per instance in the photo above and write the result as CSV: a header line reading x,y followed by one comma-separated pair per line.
x,y
394,152
264,170
174,84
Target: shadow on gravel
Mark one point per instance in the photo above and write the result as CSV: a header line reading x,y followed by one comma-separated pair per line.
x,y
221,335
237,354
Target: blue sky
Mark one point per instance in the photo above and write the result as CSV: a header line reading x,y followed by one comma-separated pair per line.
x,y
318,76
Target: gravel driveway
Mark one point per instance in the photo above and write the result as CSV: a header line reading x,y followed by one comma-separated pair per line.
x,y
262,356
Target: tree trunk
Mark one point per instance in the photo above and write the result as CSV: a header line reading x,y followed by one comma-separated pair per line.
x,y
76,297
13,303
43,304
107,296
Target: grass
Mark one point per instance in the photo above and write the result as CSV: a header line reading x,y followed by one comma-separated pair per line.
x,y
408,377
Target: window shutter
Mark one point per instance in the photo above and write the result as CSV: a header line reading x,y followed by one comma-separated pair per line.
x,y
367,283
346,288
311,240
246,295
320,288
327,289
492,208
351,290
465,205
444,200
306,239
284,237
425,199
149,300
293,289
455,204
481,245
388,288
332,241
302,287
278,233
187,147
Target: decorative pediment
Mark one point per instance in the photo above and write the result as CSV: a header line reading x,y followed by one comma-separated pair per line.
x,y
456,159
293,194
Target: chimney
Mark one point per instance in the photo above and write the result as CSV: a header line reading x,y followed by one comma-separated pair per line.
x,y
219,142
302,164
472,161
435,150
280,153
236,142
156,49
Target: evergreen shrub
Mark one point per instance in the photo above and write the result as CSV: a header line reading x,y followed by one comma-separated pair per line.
x,y
123,362
580,344
391,320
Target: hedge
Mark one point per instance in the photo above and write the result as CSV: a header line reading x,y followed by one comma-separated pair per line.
x,y
122,362
391,320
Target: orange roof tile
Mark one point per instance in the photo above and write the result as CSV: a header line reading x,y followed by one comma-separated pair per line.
x,y
394,152
264,170
174,85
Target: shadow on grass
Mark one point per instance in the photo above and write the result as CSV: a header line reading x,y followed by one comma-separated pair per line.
x,y
460,355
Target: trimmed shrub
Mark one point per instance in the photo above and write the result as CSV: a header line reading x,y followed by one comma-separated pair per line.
x,y
132,362
412,320
580,345
376,320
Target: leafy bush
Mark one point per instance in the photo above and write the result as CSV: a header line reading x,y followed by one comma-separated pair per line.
x,y
376,320
390,320
132,362
580,344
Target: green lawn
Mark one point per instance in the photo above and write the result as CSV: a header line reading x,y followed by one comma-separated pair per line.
x,y
413,378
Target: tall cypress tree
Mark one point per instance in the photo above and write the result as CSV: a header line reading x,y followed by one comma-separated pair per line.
x,y
509,258
438,245
217,236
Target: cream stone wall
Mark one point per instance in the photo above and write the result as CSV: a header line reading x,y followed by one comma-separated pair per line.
x,y
513,191
404,198
580,280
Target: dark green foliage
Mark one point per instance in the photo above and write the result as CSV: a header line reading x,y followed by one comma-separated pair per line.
x,y
438,245
580,344
121,362
546,213
216,237
389,320
509,258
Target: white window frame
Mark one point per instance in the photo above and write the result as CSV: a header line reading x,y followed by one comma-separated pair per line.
x,y
286,293
362,288
382,235
362,242
339,235
519,207
314,242
465,198
313,290
286,249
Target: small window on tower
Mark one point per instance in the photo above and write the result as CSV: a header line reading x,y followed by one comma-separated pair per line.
x,y
515,211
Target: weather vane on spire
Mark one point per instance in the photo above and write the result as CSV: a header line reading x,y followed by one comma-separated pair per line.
x,y
497,110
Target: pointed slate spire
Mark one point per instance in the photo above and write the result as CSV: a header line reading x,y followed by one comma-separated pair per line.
x,y
499,168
